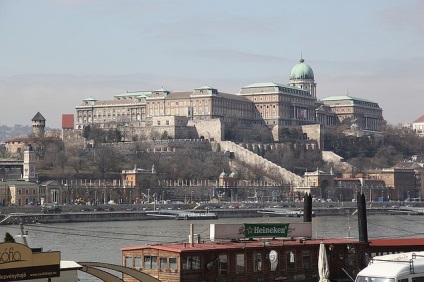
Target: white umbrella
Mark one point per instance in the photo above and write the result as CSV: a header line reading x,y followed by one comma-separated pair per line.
x,y
323,268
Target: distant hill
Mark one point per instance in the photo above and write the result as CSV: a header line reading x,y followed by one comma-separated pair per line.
x,y
17,130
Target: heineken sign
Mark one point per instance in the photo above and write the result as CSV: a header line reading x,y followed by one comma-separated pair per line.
x,y
266,230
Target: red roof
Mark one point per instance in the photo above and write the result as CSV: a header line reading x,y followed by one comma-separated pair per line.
x,y
420,119
67,121
186,247
397,242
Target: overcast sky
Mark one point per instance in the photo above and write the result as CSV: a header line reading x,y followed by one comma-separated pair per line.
x,y
55,53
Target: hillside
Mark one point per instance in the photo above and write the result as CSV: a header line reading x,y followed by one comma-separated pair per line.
x,y
17,130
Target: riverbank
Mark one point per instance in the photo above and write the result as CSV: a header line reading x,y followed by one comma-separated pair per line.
x,y
99,216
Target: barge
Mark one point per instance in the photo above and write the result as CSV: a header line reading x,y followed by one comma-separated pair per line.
x,y
264,252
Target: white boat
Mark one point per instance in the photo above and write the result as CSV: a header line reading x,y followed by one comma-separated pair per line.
x,y
403,267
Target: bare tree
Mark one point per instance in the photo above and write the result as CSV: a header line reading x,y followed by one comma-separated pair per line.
x,y
106,158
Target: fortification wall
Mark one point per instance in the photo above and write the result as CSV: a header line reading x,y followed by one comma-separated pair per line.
x,y
336,160
73,137
157,146
208,129
314,132
273,171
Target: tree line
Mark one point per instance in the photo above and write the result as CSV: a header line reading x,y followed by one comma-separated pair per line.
x,y
105,160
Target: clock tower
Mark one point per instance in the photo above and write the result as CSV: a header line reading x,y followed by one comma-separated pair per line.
x,y
28,173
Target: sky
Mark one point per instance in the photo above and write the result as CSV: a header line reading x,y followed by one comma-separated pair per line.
x,y
55,53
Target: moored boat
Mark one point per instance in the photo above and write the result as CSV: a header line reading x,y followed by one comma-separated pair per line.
x,y
264,252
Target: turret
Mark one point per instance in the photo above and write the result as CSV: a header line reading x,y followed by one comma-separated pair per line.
x,y
38,125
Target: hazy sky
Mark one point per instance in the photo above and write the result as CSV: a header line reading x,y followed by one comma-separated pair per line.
x,y
55,53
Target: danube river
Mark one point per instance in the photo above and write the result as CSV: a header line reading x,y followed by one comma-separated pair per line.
x,y
102,241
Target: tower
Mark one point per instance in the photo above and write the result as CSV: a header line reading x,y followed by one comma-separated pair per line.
x,y
29,165
302,77
38,125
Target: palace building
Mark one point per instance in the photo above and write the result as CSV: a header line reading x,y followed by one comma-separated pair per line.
x,y
271,104
360,113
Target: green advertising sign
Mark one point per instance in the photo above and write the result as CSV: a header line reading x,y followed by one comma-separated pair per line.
x,y
266,230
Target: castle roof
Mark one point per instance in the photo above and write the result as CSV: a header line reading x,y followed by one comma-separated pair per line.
x,y
38,117
301,71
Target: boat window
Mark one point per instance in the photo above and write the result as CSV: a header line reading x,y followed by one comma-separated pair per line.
x,y
374,279
150,262
223,264
351,259
129,261
257,262
191,262
418,279
137,262
290,259
306,260
163,263
173,263
240,264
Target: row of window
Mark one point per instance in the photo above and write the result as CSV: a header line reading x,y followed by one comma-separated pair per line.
x,y
151,262
259,259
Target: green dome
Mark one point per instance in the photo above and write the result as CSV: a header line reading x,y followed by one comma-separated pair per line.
x,y
302,71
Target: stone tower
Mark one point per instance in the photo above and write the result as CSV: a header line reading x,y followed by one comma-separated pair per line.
x,y
28,173
38,125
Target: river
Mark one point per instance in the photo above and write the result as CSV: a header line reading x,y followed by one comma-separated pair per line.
x,y
102,241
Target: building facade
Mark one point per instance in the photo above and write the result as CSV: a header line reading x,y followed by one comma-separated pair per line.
x,y
272,104
418,126
359,113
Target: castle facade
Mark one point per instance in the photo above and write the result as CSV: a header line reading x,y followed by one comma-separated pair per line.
x,y
271,104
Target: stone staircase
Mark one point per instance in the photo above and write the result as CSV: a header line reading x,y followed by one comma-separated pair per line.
x,y
272,170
